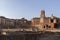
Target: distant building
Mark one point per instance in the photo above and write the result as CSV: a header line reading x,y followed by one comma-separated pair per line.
x,y
44,22
41,22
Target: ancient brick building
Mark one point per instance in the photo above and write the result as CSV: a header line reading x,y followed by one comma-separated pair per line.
x,y
41,22
44,22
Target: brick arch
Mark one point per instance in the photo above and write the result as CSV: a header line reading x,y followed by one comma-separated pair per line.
x,y
47,26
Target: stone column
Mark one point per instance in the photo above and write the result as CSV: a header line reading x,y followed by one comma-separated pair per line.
x,y
52,25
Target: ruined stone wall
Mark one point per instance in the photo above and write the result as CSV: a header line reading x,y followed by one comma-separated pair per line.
x,y
42,36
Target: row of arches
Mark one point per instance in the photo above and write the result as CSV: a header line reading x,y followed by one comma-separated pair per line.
x,y
48,27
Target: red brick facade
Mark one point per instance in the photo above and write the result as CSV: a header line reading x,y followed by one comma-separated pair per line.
x,y
41,22
44,22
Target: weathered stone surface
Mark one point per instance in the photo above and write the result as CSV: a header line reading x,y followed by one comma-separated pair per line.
x,y
42,36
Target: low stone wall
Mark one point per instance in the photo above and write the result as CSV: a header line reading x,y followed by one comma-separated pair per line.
x,y
41,36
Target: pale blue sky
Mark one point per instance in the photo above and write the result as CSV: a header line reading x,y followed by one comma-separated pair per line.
x,y
28,8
